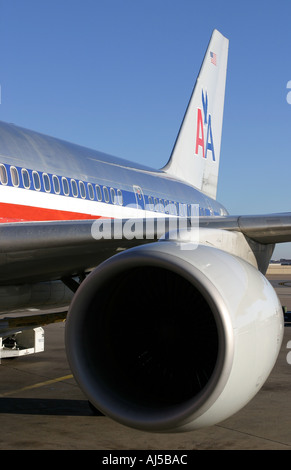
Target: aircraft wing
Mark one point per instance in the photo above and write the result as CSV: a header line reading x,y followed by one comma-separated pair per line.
x,y
265,229
36,251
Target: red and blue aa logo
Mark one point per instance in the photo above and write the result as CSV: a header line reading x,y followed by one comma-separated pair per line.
x,y
204,137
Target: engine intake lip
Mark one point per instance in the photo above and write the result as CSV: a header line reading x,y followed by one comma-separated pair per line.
x,y
103,397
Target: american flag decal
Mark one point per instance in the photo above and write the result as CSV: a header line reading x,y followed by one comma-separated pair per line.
x,y
213,57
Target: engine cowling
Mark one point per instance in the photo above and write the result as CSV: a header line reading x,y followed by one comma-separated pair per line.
x,y
165,339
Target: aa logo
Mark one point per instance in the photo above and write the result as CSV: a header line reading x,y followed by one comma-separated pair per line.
x,y
204,137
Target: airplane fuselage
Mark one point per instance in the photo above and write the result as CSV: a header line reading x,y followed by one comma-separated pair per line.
x,y
43,178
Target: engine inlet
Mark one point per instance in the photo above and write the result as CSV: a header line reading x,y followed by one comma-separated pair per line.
x,y
151,338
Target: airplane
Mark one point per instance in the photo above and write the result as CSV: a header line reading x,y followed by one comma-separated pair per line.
x,y
170,326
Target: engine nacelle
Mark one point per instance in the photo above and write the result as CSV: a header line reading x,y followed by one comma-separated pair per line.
x,y
166,339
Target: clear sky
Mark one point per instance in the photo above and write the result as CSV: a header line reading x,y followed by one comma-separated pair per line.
x,y
116,75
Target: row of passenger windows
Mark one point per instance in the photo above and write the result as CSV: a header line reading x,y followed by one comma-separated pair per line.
x,y
173,207
168,207
60,185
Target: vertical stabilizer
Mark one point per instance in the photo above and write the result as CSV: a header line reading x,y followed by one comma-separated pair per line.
x,y
196,153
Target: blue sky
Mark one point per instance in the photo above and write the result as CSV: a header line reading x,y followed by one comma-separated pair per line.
x,y
116,75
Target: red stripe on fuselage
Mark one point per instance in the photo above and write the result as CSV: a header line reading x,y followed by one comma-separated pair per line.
x,y
19,213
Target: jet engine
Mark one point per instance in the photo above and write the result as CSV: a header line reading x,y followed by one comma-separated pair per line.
x,y
167,339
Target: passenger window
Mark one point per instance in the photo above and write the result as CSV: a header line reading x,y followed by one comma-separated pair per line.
x,y
46,182
166,206
151,206
156,204
66,189
90,191
98,192
113,195
119,197
25,178
171,208
3,174
74,188
14,176
82,189
56,184
36,180
181,210
106,194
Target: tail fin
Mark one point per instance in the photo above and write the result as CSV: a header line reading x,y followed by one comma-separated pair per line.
x,y
195,156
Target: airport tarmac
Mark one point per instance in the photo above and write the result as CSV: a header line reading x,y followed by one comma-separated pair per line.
x,y
42,407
